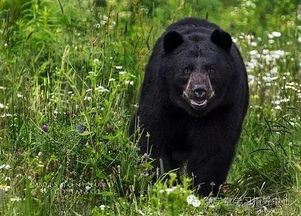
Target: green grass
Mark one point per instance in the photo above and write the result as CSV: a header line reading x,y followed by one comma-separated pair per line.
x,y
70,73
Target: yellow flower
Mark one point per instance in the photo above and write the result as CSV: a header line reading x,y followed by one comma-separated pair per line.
x,y
4,187
255,96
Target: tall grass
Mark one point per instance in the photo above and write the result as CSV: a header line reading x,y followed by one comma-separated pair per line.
x,y
70,73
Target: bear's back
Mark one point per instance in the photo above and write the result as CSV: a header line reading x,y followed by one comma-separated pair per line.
x,y
193,24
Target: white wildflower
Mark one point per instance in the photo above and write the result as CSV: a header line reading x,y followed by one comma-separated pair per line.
x,y
102,207
252,64
118,67
96,60
270,36
125,14
2,106
97,25
190,199
4,188
286,73
276,34
278,107
122,72
2,88
276,102
170,190
269,78
87,98
141,212
196,203
20,96
250,4
88,188
62,185
129,82
103,22
6,115
276,54
104,17
241,36
249,37
253,52
251,79
5,166
100,88
285,100
265,51
15,199
274,70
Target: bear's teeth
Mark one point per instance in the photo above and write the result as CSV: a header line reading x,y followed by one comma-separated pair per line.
x,y
198,104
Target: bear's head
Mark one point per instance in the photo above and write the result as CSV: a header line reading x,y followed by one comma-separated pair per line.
x,y
197,68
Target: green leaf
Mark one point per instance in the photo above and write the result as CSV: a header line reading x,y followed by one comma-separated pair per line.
x,y
86,133
100,174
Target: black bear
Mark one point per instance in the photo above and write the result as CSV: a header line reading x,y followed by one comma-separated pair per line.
x,y
193,102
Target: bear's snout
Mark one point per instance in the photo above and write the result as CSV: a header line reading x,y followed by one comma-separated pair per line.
x,y
198,90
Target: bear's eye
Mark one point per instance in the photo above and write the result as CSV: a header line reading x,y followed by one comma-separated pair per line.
x,y
210,70
187,70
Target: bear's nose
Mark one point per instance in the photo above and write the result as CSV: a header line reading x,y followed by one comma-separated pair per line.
x,y
199,90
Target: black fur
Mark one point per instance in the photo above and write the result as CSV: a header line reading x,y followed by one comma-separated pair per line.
x,y
171,41
204,138
222,39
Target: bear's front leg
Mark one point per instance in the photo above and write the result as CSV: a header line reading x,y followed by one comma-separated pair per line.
x,y
156,144
210,171
211,144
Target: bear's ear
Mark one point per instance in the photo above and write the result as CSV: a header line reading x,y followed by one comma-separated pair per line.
x,y
221,39
171,41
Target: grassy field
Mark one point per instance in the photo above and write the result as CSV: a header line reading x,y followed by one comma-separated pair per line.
x,y
70,73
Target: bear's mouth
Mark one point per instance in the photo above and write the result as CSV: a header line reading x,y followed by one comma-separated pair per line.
x,y
198,103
